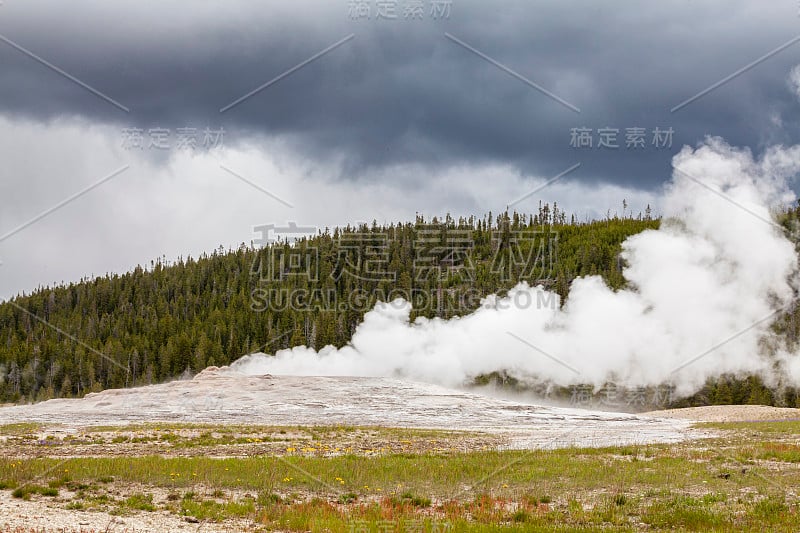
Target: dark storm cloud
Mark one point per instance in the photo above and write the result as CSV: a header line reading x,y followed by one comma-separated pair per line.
x,y
401,91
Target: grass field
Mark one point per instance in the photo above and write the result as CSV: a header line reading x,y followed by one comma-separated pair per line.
x,y
745,479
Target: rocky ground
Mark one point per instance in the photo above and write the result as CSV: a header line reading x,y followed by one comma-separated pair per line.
x,y
45,516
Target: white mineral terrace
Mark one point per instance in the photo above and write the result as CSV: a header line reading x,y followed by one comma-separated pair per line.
x,y
217,396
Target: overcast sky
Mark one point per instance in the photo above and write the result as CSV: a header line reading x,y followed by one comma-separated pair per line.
x,y
461,107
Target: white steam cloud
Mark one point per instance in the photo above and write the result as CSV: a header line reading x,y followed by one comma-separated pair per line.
x,y
703,291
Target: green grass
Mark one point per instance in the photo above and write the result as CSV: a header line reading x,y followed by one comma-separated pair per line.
x,y
296,440
416,501
25,491
559,470
140,502
348,497
316,432
212,510
739,482
790,427
787,453
19,429
547,488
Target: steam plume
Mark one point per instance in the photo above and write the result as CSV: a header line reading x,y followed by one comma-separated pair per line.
x,y
702,293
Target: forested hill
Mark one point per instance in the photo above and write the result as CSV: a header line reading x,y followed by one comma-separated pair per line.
x,y
162,320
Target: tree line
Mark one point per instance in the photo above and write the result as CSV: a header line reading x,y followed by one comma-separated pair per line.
x,y
166,319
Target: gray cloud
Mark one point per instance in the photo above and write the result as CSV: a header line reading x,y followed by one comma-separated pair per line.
x,y
401,91
188,204
397,120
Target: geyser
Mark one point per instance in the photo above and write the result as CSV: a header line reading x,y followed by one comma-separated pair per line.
x,y
702,293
